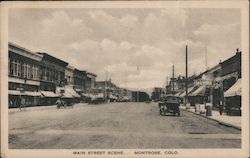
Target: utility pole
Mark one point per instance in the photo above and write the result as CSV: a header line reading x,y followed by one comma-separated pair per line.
x,y
105,93
186,83
173,79
206,56
166,86
138,71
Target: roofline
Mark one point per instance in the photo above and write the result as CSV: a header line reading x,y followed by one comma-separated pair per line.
x,y
51,56
25,49
92,74
236,54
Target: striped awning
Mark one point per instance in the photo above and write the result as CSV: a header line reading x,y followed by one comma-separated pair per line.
x,y
49,94
34,94
235,90
15,92
190,90
199,91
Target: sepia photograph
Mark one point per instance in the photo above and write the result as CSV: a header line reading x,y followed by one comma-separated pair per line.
x,y
120,79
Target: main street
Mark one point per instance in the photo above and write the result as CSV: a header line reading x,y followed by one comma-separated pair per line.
x,y
117,126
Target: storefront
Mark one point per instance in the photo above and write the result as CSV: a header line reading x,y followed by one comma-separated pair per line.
x,y
233,99
48,98
200,95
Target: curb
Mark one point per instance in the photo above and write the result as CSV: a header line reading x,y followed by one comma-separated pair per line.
x,y
220,122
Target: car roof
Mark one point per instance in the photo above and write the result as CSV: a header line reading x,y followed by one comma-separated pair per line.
x,y
171,96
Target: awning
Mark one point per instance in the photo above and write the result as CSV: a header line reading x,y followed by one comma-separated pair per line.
x,y
178,94
99,95
125,98
15,92
78,90
199,92
72,92
66,94
190,90
85,94
112,96
34,94
69,92
92,96
49,94
235,90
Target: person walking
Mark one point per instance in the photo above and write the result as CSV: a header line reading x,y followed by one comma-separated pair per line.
x,y
22,104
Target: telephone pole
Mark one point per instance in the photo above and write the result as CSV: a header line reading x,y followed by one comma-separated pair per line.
x,y
186,83
105,87
206,56
173,79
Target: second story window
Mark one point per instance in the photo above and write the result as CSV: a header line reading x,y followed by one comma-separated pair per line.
x,y
29,71
15,68
25,70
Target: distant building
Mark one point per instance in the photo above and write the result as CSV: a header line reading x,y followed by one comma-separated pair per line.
x,y
52,73
69,75
139,96
108,88
90,81
157,93
79,78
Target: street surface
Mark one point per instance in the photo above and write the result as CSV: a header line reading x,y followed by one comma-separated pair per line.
x,y
117,126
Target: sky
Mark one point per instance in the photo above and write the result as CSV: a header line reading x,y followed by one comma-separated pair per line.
x,y
135,47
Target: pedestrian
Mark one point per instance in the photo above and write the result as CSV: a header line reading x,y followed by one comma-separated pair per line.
x,y
228,107
220,108
22,103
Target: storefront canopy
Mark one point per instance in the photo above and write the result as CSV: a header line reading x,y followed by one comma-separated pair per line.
x,y
92,96
49,94
112,96
178,94
72,92
27,93
15,92
85,94
34,94
99,95
66,94
235,90
199,92
190,90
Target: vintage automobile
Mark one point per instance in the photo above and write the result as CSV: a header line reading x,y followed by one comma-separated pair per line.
x,y
170,104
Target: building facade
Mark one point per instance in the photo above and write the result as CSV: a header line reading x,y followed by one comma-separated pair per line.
x,y
33,77
23,76
79,78
90,81
69,75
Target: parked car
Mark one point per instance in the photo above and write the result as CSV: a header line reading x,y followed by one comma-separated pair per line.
x,y
170,104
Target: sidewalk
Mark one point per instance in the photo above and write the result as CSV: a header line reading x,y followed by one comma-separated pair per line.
x,y
233,121
13,110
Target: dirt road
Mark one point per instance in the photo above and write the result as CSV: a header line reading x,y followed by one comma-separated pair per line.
x,y
117,126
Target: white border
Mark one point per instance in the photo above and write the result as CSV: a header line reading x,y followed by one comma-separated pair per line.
x,y
243,5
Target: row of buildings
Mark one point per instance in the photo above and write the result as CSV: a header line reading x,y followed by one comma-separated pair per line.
x,y
219,85
37,78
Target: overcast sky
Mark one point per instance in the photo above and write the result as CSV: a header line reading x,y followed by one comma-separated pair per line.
x,y
136,47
